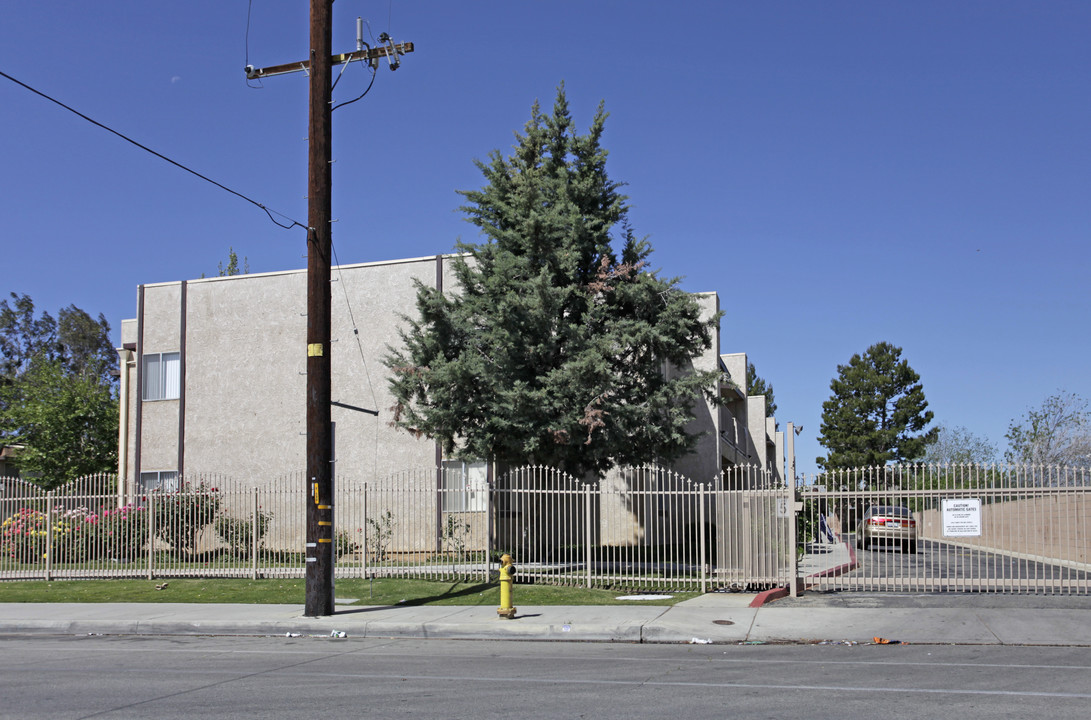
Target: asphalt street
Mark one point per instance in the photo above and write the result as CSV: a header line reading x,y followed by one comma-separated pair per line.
x,y
186,677
946,561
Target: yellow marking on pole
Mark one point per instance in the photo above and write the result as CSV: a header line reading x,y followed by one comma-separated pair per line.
x,y
325,522
324,540
316,494
314,350
325,507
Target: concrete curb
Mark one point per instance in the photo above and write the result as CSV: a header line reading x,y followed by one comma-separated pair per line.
x,y
750,626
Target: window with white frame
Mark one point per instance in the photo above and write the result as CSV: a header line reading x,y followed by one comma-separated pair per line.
x,y
162,480
162,376
464,486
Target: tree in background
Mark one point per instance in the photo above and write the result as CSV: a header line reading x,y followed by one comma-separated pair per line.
x,y
756,385
232,265
958,446
1057,433
57,391
876,414
67,424
552,350
80,343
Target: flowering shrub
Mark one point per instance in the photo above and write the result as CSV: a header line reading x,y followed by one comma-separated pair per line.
x,y
180,516
122,533
73,535
79,535
25,535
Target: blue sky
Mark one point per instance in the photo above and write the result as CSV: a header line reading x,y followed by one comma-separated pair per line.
x,y
840,172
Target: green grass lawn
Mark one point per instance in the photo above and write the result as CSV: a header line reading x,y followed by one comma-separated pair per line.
x,y
381,591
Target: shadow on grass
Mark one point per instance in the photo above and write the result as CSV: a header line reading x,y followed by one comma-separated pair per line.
x,y
451,593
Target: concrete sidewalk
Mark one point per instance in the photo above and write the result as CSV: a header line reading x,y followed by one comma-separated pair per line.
x,y
713,618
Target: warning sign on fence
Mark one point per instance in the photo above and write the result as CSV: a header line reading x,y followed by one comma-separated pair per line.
x,y
962,517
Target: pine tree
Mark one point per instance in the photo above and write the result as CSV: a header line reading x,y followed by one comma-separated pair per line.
x,y
554,349
757,386
233,265
877,413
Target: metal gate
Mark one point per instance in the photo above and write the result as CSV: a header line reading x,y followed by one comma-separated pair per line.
x,y
966,528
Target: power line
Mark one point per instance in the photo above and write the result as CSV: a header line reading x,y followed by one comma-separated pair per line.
x,y
287,226
352,320
363,360
361,95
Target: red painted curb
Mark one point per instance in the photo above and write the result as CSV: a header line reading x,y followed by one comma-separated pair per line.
x,y
778,593
768,596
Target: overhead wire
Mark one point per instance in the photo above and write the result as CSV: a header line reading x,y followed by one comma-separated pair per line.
x,y
287,226
361,95
360,347
352,321
374,71
249,9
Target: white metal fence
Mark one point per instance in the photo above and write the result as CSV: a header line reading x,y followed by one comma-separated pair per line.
x,y
640,529
965,528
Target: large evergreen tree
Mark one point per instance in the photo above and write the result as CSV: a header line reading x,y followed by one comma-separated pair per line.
x,y
554,349
877,413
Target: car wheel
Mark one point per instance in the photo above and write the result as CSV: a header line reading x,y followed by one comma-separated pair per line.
x,y
911,548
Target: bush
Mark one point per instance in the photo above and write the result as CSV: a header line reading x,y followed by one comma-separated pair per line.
x,y
345,545
73,535
380,533
180,516
122,533
25,536
456,533
238,534
79,535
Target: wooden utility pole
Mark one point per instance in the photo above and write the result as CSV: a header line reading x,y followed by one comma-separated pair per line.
x,y
321,540
320,537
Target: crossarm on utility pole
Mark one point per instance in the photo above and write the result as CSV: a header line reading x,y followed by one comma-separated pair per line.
x,y
253,73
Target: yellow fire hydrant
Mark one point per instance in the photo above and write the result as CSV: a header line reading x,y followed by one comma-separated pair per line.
x,y
507,573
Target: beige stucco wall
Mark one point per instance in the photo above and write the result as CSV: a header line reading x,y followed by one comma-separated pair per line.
x,y
245,364
366,446
162,333
755,425
245,396
1057,526
703,463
